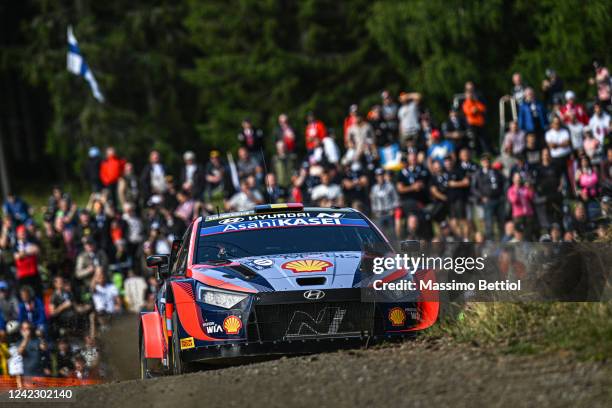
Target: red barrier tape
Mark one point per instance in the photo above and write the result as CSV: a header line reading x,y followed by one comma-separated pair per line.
x,y
10,383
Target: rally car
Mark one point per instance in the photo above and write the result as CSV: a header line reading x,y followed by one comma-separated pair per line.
x,y
280,279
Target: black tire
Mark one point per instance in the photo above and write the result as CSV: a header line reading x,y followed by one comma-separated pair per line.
x,y
177,365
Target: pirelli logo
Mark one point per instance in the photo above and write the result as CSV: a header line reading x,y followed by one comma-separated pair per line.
x,y
187,343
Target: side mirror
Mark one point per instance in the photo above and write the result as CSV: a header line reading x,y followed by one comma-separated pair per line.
x,y
161,262
410,246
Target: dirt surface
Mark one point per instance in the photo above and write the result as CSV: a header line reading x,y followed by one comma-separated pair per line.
x,y
414,373
120,348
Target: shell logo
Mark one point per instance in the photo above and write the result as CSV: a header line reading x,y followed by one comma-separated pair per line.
x,y
397,316
306,265
232,324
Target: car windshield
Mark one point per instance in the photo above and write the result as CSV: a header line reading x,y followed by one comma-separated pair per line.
x,y
273,241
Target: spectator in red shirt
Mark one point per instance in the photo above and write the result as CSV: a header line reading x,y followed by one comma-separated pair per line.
x,y
284,133
111,169
315,129
572,107
474,111
26,261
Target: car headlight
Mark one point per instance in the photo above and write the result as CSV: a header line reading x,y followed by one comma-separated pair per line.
x,y
219,298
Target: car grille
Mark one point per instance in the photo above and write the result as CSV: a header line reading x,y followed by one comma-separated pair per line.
x,y
285,322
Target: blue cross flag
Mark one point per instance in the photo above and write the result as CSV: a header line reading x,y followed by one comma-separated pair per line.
x,y
77,65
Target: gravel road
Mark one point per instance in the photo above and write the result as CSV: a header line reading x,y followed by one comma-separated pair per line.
x,y
414,373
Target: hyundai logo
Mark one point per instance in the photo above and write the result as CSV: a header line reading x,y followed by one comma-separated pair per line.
x,y
231,220
314,294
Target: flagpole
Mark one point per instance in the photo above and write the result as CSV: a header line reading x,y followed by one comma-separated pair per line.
x,y
4,179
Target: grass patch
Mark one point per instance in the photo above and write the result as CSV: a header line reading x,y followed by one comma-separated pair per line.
x,y
584,329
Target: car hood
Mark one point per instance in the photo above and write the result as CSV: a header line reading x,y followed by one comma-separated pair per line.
x,y
286,272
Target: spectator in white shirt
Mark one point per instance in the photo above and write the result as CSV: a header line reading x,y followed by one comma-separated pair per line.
x,y
599,123
576,130
559,142
408,116
246,199
327,194
135,288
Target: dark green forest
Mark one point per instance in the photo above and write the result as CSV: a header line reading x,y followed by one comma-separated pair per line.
x,y
183,74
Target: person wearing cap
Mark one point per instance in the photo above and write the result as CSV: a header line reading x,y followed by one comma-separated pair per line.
x,y
91,169
408,116
215,175
192,176
439,148
315,129
488,189
572,107
532,115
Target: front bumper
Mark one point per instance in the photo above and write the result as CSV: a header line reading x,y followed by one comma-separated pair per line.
x,y
228,352
288,323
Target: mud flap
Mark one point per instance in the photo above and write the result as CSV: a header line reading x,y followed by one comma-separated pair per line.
x,y
153,334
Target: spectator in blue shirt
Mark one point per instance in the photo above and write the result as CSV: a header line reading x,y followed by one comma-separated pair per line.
x,y
532,117
16,208
31,309
439,148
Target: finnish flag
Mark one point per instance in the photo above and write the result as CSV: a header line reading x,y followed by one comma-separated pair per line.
x,y
77,65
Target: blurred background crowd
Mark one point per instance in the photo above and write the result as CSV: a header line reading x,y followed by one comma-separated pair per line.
x,y
67,268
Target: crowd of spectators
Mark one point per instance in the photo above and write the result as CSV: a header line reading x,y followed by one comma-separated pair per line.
x,y
66,270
